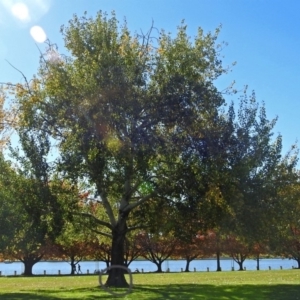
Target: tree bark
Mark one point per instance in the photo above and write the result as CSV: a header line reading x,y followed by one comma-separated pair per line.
x,y
107,262
187,266
239,259
218,252
298,261
28,264
73,265
240,263
29,261
159,266
116,277
218,262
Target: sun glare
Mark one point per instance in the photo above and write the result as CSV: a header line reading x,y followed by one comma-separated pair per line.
x,y
38,34
20,11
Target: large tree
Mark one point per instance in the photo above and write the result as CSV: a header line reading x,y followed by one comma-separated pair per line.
x,y
139,118
128,110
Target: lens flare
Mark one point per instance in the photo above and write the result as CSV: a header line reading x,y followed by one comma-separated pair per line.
x,y
20,11
38,34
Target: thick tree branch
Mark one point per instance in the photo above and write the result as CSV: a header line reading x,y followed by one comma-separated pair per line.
x,y
99,222
102,233
144,199
108,210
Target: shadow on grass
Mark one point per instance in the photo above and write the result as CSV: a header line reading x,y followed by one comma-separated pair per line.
x,y
193,291
184,291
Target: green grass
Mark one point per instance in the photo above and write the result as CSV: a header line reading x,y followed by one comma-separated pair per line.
x,y
277,285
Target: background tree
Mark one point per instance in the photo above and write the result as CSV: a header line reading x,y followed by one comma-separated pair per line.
x,y
132,248
75,244
214,245
158,241
90,218
9,207
285,239
157,247
255,173
8,117
101,250
237,249
190,249
197,211
42,201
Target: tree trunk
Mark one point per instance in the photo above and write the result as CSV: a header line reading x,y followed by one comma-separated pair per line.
x,y
29,261
28,264
257,262
218,262
240,263
116,277
187,266
107,262
73,265
298,261
159,266
239,259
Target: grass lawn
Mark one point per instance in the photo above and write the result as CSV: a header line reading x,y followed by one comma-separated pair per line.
x,y
283,285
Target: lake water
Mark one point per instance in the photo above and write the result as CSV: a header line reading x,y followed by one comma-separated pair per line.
x,y
174,265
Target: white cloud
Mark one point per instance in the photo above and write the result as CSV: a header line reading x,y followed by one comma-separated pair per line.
x,y
38,34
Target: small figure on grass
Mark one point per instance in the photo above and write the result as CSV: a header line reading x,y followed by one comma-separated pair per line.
x,y
79,269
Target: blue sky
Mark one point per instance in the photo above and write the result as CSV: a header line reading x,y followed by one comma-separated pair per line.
x,y
263,38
